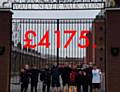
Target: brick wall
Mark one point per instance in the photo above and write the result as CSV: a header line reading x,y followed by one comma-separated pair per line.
x,y
5,29
113,50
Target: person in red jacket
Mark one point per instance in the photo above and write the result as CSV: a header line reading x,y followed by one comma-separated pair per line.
x,y
73,79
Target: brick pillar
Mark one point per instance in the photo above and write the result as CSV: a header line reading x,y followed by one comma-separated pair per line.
x,y
5,31
89,49
113,50
99,31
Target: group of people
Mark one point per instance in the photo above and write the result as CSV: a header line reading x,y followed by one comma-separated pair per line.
x,y
62,78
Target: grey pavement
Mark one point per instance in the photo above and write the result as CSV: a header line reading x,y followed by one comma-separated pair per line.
x,y
15,85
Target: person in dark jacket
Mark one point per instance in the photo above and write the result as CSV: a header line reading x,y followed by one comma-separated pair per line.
x,y
34,74
79,80
24,78
65,76
89,75
55,76
46,73
85,81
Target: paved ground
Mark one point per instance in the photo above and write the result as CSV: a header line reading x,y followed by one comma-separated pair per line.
x,y
15,85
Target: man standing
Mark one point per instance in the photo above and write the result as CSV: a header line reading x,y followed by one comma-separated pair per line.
x,y
65,73
34,73
46,79
85,77
89,75
85,81
73,79
96,80
55,76
24,78
79,81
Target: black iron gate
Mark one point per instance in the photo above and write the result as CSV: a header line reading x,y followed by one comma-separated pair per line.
x,y
57,50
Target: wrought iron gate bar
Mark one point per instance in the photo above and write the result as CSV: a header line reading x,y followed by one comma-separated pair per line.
x,y
40,55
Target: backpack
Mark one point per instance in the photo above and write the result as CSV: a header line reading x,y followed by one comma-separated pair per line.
x,y
73,76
